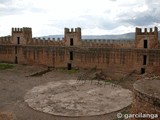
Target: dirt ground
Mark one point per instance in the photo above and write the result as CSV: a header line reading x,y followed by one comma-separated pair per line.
x,y
14,84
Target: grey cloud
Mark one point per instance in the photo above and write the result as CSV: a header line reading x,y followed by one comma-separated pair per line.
x,y
152,2
141,20
145,18
87,21
107,24
5,1
66,23
12,9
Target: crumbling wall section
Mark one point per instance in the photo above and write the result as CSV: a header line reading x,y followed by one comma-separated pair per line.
x,y
146,99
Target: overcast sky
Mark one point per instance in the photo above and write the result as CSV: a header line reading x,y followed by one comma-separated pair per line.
x,y
95,17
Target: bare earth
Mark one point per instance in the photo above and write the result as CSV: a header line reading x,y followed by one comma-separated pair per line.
x,y
14,85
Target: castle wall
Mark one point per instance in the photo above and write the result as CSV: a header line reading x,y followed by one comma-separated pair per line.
x,y
36,55
114,55
5,40
7,53
108,58
118,59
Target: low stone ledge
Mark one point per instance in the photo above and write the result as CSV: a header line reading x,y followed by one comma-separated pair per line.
x,y
146,98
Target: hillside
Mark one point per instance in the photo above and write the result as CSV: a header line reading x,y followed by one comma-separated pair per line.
x,y
127,36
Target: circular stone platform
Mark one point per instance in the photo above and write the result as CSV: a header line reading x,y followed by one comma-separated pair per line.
x,y
72,98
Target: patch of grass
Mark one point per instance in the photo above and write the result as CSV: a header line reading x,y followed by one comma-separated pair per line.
x,y
4,66
73,71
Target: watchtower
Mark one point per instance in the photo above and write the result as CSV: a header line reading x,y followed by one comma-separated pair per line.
x,y
21,36
147,40
72,37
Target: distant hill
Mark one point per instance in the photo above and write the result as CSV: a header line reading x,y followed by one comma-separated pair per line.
x,y
116,37
127,36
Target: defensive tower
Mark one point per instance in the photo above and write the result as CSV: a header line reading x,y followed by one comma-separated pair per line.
x,y
148,40
72,37
21,35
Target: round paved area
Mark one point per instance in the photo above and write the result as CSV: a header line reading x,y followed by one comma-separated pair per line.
x,y
72,98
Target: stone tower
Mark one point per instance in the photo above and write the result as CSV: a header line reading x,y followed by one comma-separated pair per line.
x,y
73,37
147,40
21,36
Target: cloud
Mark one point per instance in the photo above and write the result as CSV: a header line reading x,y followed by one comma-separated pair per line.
x,y
5,1
10,10
108,16
143,20
142,15
14,7
113,0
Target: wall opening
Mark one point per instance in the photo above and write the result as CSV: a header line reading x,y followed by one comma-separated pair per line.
x,y
16,60
69,66
71,55
144,59
71,41
145,44
142,70
18,40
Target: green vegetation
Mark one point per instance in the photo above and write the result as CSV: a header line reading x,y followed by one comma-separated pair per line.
x,y
68,71
4,66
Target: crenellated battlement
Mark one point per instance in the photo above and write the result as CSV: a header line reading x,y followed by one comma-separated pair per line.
x,y
145,31
48,41
5,40
24,36
72,30
108,43
21,30
146,38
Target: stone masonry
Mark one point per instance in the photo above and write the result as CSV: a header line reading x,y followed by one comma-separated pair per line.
x,y
141,54
146,99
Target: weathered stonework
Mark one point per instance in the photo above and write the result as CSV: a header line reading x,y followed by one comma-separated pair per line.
x,y
73,52
146,98
7,116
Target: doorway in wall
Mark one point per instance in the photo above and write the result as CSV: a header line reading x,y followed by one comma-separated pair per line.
x,y
69,66
142,70
16,60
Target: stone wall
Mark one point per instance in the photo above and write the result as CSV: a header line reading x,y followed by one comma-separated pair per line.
x,y
5,40
7,53
119,59
146,98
